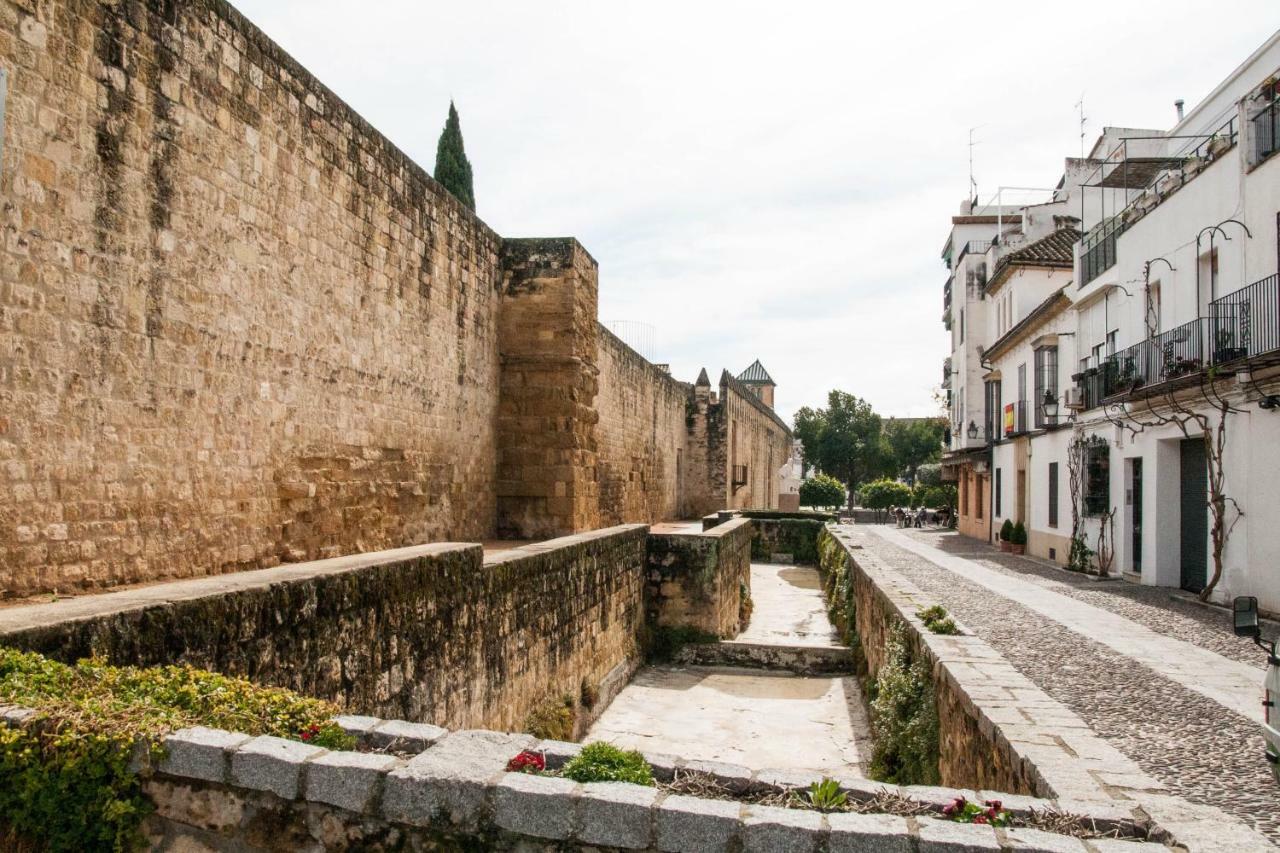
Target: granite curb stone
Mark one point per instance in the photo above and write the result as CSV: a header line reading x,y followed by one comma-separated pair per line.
x,y
868,833
768,829
540,806
692,825
616,814
200,753
348,780
272,764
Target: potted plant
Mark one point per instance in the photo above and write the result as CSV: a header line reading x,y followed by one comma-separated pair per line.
x,y
1218,144
1006,535
1224,349
1018,539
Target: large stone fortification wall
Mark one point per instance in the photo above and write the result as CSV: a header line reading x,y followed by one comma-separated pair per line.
x,y
640,436
755,437
428,634
239,326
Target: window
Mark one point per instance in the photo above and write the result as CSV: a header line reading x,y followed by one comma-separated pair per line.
x,y
1097,477
997,491
993,409
1046,361
1111,342
961,325
964,494
1053,494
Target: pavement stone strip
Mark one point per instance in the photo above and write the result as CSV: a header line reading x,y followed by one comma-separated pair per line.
x,y
1195,747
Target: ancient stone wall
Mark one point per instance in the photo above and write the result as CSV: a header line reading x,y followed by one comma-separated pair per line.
x,y
546,421
755,437
641,435
699,580
429,634
239,326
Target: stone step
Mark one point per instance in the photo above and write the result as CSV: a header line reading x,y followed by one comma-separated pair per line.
x,y
800,660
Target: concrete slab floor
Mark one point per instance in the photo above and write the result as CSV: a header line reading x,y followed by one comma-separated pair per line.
x,y
789,608
748,717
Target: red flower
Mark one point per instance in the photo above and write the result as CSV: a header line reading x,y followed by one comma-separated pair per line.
x,y
310,732
993,805
981,818
527,761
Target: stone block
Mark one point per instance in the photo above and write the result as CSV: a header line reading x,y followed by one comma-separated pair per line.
x,y
863,790
692,825
616,814
403,736
766,829
348,780
557,752
664,766
868,833
200,753
15,715
448,781
785,778
272,764
734,777
358,727
538,806
1026,840
944,836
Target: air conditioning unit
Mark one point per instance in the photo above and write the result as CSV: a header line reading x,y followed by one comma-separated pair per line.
x,y
1073,398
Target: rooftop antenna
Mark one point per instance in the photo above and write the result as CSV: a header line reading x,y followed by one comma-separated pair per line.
x,y
973,184
1083,120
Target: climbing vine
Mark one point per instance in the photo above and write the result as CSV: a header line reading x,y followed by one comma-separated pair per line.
x,y
904,716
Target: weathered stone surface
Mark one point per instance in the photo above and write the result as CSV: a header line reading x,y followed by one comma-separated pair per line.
x,y
690,825
870,833
402,736
616,814
349,780
200,753
698,579
1025,840
539,806
448,781
272,764
944,836
773,830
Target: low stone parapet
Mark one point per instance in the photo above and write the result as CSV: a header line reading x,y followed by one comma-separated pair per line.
x,y
797,659
700,580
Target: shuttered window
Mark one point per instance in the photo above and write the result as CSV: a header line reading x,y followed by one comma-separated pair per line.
x,y
1053,494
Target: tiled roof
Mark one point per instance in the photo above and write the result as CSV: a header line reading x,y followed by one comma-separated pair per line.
x,y
756,374
703,379
1056,251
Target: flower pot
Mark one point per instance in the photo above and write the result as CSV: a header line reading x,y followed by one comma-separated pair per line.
x,y
1018,549
1005,546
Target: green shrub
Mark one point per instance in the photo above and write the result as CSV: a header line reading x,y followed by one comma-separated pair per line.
x,y
1006,530
935,618
551,719
1081,556
883,494
821,490
1019,535
944,626
904,717
65,780
604,762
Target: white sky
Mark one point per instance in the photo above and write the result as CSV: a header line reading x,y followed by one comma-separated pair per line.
x,y
765,180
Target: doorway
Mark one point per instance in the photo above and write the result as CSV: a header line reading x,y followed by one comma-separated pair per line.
x,y
1194,499
1135,515
1022,497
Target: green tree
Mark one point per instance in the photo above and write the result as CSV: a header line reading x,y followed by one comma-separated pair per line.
x,y
821,490
453,169
912,444
843,440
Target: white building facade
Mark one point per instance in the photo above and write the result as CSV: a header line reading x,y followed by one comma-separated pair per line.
x,y
1156,349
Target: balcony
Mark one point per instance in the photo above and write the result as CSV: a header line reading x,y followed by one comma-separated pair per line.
x,y
1265,120
739,473
946,372
1241,326
1156,178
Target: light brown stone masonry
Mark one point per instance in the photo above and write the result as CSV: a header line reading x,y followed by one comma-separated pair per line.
x,y
237,325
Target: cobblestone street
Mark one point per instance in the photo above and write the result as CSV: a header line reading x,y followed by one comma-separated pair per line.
x,y
1191,735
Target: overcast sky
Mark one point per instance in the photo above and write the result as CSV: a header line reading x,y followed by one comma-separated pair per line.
x,y
765,180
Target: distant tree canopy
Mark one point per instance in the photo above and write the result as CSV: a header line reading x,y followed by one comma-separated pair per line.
x,y
847,440
914,443
883,494
821,490
843,440
453,169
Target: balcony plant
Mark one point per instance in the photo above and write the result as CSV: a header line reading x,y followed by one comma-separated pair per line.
x,y
1006,533
1224,349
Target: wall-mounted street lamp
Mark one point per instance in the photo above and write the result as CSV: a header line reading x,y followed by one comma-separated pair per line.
x,y
1050,406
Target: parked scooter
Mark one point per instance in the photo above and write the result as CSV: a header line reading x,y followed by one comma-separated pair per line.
x,y
1244,613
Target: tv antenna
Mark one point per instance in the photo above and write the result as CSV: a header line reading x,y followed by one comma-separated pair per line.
x,y
1083,121
973,184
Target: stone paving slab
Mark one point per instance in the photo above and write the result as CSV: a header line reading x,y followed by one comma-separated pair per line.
x,y
789,608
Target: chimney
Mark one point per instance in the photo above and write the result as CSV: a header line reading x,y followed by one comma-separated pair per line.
x,y
1178,106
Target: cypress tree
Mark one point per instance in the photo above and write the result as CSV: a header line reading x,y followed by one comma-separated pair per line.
x,y
453,170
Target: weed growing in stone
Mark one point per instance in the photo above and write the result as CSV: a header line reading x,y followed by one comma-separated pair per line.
x,y
826,795
604,762
904,717
552,719
65,775
935,618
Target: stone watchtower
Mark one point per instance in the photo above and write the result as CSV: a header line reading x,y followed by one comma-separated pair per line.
x,y
758,380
